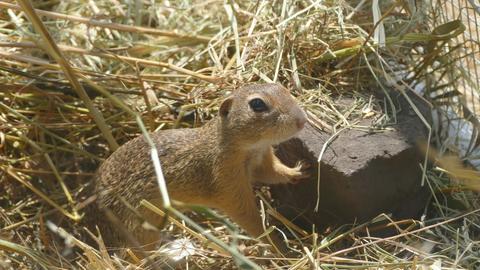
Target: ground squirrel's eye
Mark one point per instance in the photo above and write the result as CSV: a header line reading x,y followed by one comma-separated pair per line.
x,y
258,105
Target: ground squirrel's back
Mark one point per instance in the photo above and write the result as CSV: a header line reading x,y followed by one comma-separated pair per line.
x,y
213,165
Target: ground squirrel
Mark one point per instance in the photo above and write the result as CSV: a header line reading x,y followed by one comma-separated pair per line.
x,y
214,165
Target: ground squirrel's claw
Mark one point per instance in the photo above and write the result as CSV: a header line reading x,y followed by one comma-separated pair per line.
x,y
301,172
304,164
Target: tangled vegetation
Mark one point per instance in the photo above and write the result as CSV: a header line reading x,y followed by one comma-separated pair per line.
x,y
75,82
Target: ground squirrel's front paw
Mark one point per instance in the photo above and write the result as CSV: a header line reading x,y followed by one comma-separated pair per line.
x,y
300,172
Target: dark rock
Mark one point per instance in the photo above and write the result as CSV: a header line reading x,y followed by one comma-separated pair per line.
x,y
363,174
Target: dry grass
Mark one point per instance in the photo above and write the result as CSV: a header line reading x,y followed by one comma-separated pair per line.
x,y
65,105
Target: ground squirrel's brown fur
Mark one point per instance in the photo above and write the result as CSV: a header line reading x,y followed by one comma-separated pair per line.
x,y
214,165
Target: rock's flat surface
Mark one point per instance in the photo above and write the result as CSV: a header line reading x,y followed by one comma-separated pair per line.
x,y
363,173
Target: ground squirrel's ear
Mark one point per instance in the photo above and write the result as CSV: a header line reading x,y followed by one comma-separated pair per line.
x,y
225,107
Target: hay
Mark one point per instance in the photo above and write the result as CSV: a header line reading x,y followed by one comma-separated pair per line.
x,y
171,63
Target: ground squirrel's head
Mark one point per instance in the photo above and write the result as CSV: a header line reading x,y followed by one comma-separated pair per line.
x,y
260,114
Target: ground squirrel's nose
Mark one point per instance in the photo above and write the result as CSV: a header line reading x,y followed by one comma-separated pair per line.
x,y
301,120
